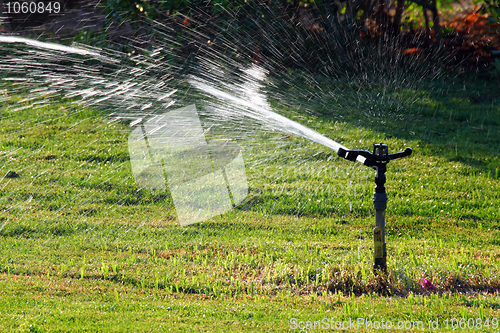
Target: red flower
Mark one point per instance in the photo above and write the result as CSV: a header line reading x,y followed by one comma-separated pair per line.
x,y
427,285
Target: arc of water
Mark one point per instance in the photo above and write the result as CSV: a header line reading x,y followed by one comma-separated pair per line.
x,y
258,112
52,46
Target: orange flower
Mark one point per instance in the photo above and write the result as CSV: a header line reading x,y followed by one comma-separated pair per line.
x,y
412,50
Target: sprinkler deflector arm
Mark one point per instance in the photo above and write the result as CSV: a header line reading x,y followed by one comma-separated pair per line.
x,y
372,160
377,160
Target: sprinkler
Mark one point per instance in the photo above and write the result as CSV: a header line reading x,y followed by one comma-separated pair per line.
x,y
377,160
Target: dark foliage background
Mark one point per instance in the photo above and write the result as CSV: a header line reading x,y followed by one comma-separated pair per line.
x,y
358,38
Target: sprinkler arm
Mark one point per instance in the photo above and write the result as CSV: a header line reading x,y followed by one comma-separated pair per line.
x,y
372,160
351,155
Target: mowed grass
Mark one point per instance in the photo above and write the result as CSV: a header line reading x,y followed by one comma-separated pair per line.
x,y
84,249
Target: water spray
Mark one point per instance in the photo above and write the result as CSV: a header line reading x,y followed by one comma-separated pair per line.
x,y
377,160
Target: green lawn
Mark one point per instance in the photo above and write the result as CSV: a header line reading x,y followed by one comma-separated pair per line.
x,y
83,249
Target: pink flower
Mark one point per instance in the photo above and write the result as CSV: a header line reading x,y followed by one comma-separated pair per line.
x,y
427,285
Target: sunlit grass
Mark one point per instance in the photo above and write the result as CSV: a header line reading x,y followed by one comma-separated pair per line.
x,y
83,245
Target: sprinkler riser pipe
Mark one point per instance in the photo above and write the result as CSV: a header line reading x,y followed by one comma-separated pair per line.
x,y
380,201
380,205
380,262
378,244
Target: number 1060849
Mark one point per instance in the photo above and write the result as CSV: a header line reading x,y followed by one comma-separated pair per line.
x,y
32,7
